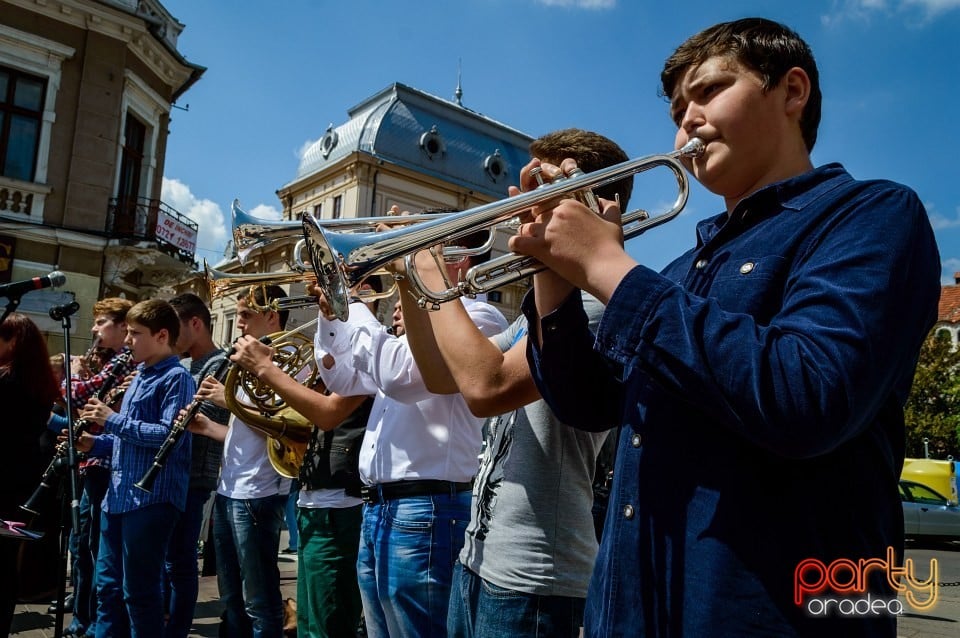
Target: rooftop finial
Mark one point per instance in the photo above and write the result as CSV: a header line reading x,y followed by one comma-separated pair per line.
x,y
459,92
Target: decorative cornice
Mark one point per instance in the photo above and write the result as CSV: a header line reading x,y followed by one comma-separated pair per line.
x,y
56,236
128,28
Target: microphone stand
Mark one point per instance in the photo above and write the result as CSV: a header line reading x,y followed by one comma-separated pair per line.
x,y
62,313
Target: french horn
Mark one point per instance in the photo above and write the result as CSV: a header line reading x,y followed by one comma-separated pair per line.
x,y
256,404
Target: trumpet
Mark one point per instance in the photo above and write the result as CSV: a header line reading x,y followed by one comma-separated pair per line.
x,y
220,283
342,260
253,233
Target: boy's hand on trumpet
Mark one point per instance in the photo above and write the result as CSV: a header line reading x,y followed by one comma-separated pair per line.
x,y
580,246
325,309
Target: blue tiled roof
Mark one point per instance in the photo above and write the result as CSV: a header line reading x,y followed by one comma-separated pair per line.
x,y
416,130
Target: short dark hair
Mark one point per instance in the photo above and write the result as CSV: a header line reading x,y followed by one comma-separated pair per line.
x,y
189,305
592,151
767,47
263,295
156,315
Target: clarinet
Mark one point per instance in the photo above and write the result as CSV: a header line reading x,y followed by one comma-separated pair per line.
x,y
177,429
50,478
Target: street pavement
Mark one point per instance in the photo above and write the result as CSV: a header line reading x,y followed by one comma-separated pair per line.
x,y
33,621
942,621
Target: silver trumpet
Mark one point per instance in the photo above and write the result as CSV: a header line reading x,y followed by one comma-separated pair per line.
x,y
253,233
221,284
342,260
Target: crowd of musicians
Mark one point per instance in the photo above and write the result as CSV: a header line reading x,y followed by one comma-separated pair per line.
x,y
764,368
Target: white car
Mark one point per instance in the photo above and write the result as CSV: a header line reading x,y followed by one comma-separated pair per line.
x,y
928,514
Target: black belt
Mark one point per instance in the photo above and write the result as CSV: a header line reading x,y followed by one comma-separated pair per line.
x,y
381,492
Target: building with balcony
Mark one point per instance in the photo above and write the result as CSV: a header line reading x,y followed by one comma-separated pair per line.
x,y
86,91
403,147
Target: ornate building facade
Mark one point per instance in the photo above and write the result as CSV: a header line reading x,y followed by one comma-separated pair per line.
x,y
86,92
403,147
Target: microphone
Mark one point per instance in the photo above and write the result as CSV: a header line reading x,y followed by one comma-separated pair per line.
x,y
17,288
59,312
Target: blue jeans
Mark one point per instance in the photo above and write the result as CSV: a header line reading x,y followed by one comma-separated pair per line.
x,y
246,533
480,609
129,571
95,484
408,547
181,580
290,514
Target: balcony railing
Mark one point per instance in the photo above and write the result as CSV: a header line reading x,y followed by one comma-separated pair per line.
x,y
151,220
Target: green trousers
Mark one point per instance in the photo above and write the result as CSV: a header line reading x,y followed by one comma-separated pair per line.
x,y
328,599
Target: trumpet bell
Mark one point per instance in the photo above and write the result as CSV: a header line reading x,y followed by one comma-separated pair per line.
x,y
326,266
286,456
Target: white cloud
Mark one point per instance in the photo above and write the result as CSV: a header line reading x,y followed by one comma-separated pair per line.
x,y
934,7
300,152
943,222
580,4
948,267
263,211
924,10
213,231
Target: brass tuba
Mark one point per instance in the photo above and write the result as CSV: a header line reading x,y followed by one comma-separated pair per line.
x,y
288,432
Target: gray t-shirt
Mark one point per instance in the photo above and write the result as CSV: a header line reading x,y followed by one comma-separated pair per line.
x,y
531,528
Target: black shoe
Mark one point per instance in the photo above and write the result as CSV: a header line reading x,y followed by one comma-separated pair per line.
x,y
67,602
288,550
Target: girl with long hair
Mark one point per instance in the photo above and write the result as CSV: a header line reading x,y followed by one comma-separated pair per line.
x,y
27,393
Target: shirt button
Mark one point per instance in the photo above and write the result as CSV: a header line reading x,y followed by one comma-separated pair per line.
x,y
635,440
701,264
746,268
628,512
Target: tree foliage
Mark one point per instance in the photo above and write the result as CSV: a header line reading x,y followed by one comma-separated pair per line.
x,y
933,408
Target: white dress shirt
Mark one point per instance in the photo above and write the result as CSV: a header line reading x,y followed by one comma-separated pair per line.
x,y
412,433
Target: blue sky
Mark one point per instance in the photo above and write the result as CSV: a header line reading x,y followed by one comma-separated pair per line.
x,y
280,72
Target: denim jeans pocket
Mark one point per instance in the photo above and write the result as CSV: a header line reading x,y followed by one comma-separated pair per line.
x,y
414,514
502,593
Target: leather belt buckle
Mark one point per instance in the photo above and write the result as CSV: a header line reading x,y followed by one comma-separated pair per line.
x,y
369,494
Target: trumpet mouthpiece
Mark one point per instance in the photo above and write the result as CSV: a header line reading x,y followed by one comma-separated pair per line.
x,y
693,148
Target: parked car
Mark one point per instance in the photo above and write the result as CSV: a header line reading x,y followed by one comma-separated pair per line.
x,y
927,513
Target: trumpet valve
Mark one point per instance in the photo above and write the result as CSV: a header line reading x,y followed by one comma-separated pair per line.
x,y
536,173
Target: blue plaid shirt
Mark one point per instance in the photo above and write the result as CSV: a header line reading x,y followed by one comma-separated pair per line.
x,y
760,382
134,434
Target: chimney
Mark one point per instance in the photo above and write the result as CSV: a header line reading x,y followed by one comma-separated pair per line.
x,y
956,278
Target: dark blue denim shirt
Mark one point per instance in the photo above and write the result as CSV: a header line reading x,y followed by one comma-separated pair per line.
x,y
760,380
